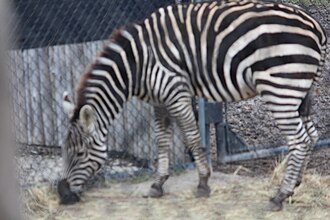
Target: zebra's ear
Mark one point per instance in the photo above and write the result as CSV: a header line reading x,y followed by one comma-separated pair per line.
x,y
86,118
68,106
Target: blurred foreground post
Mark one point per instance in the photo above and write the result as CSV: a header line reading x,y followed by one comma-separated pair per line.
x,y
9,206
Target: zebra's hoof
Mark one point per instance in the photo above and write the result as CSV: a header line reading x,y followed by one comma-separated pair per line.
x,y
203,191
274,205
155,192
298,183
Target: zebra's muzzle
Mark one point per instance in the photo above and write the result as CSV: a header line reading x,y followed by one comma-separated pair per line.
x,y
66,196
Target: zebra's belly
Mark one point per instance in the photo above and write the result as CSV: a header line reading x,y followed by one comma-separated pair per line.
x,y
226,91
246,94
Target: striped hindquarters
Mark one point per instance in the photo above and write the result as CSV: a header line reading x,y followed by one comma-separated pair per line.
x,y
218,47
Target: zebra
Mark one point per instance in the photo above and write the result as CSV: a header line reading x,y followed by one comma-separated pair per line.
x,y
222,51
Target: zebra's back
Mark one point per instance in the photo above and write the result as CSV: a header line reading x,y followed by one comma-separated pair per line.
x,y
224,49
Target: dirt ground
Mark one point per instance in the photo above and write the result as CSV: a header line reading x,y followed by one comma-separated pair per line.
x,y
232,197
240,190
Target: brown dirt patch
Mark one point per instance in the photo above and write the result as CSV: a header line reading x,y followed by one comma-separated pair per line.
x,y
232,197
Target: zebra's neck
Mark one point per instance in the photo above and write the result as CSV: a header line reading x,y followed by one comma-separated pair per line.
x,y
114,76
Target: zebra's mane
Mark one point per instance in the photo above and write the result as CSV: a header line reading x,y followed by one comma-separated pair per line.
x,y
80,96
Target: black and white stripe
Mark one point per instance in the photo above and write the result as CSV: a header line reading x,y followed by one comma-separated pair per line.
x,y
222,51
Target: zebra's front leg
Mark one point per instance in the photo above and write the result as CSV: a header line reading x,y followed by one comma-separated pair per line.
x,y
183,113
163,132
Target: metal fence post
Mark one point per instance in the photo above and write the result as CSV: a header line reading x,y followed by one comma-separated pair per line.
x,y
212,113
221,137
204,133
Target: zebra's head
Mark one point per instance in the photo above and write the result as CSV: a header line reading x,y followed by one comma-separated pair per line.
x,y
83,151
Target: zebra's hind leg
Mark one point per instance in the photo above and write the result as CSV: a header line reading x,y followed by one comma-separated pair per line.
x,y
163,130
299,142
312,132
305,112
183,113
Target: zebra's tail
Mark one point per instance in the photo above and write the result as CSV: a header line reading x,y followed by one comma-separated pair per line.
x,y
324,50
305,107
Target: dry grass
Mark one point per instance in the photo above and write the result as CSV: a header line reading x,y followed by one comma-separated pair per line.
x,y
233,197
40,202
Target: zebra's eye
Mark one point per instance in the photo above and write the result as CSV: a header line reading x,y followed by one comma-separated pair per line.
x,y
80,154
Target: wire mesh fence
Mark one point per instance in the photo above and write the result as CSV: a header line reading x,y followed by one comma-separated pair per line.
x,y
58,39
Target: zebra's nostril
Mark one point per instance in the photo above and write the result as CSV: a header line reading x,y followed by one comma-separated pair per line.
x,y
63,187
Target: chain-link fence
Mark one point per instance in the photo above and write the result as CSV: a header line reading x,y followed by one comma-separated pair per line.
x,y
58,39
